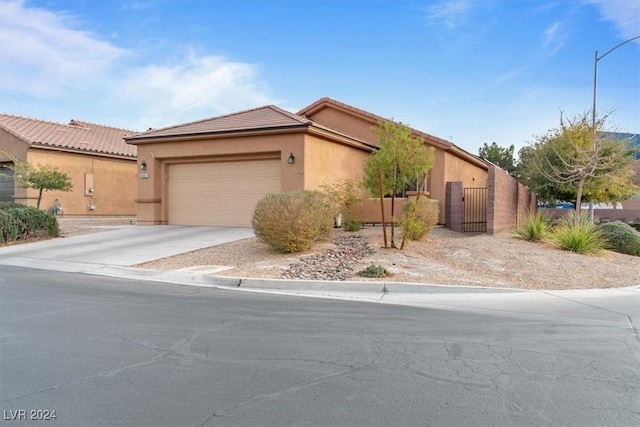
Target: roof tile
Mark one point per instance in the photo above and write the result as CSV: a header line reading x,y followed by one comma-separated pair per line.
x,y
266,117
76,135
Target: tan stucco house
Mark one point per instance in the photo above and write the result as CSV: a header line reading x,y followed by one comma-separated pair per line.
x,y
102,167
213,171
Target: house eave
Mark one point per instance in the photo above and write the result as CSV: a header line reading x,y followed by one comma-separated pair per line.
x,y
231,133
41,146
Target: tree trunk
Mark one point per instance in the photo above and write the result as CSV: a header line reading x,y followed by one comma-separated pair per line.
x,y
384,227
393,219
39,198
579,195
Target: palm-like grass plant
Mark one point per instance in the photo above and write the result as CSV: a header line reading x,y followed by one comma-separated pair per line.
x,y
575,232
536,228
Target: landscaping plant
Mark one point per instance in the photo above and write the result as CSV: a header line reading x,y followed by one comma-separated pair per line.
x,y
575,232
621,237
292,222
536,228
21,222
373,271
343,196
418,220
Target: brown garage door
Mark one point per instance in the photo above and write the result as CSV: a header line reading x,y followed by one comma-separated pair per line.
x,y
220,193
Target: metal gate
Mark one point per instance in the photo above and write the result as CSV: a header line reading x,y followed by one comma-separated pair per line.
x,y
475,210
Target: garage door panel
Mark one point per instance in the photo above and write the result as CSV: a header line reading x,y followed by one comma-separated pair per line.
x,y
219,193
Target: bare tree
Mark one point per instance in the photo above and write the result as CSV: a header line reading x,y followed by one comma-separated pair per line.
x,y
577,157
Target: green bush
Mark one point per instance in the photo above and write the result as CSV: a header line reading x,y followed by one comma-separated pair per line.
x,y
621,237
343,196
536,228
353,225
21,222
292,222
577,233
373,271
416,223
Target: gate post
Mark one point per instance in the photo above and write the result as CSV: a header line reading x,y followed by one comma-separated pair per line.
x,y
454,206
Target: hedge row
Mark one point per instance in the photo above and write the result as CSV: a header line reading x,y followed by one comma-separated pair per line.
x,y
21,222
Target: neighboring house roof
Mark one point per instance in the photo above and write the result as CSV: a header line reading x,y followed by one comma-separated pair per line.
x,y
266,118
74,136
375,119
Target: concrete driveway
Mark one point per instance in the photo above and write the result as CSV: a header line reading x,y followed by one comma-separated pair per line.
x,y
121,247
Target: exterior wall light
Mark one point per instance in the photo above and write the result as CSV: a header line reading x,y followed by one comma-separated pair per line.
x,y
291,159
143,166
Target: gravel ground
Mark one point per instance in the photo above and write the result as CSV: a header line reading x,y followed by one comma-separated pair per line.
x,y
443,257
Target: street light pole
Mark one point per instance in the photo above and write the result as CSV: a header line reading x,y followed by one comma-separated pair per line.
x,y
595,95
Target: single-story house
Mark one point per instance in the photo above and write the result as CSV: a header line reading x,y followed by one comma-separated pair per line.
x,y
102,167
213,171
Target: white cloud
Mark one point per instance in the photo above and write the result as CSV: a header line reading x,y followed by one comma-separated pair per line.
x,y
198,87
624,14
47,61
553,39
451,13
43,55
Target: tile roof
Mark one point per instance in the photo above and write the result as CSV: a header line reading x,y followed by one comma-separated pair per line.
x,y
267,117
76,135
324,102
374,119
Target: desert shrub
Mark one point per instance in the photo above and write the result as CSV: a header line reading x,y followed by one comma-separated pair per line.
x,y
535,228
577,233
353,225
373,271
294,221
20,222
417,222
621,237
343,196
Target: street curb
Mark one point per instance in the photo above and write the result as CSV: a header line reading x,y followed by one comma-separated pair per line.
x,y
353,286
313,285
425,288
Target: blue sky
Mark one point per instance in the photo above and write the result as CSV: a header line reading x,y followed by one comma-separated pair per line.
x,y
471,71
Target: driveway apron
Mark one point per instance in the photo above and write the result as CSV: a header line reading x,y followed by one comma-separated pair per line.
x,y
125,246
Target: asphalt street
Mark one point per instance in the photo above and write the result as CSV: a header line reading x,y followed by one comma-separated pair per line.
x,y
115,351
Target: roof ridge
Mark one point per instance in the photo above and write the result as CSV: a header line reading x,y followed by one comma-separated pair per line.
x,y
294,116
205,119
74,121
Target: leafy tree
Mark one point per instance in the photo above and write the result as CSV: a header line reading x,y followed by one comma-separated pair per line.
x,y
575,163
402,158
41,177
499,156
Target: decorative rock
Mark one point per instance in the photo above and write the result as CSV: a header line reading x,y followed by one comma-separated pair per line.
x,y
331,264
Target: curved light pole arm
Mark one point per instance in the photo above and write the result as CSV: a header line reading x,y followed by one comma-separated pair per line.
x,y
595,77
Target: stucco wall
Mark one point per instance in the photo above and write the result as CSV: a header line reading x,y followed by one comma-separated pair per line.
x,y
113,179
368,211
113,183
327,162
346,123
151,196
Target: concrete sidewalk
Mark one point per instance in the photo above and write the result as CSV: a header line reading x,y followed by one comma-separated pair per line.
x,y
111,253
